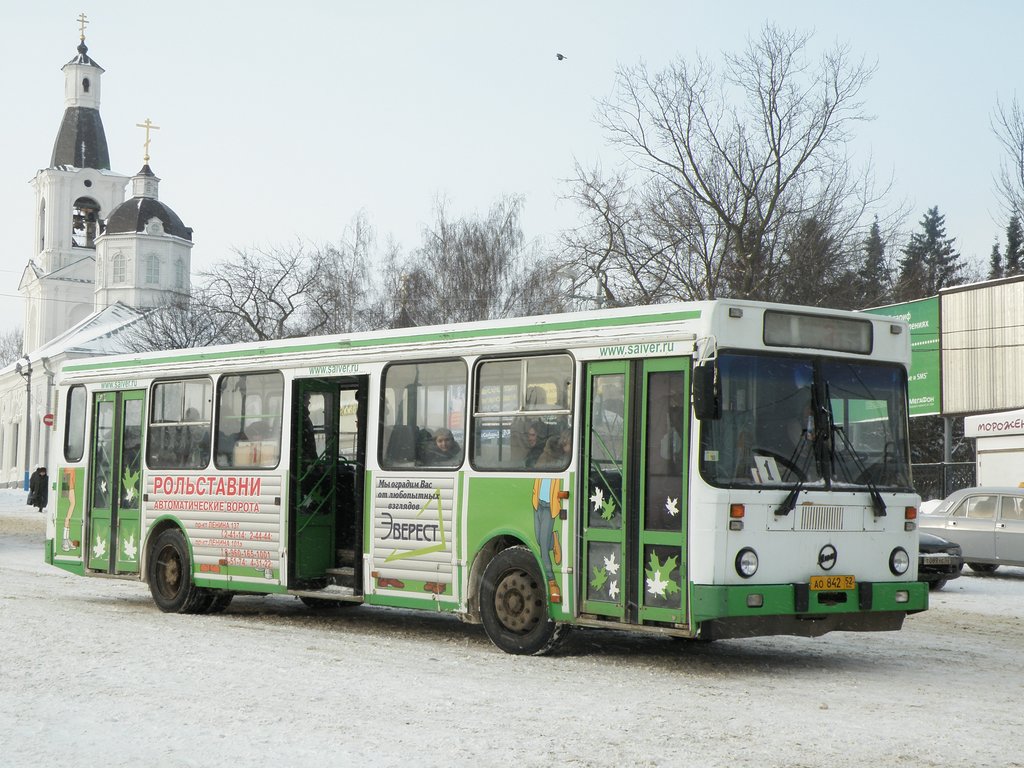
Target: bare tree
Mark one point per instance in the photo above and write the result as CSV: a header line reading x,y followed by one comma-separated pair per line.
x,y
269,293
472,269
190,322
10,345
614,249
727,165
343,300
1008,126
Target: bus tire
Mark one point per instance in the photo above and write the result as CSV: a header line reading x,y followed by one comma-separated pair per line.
x,y
514,605
170,576
221,600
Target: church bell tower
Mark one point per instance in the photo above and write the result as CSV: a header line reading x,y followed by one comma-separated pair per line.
x,y
72,197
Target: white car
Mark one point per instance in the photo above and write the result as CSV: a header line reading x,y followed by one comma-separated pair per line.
x,y
987,523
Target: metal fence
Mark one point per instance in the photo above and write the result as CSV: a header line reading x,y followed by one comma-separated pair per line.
x,y
937,481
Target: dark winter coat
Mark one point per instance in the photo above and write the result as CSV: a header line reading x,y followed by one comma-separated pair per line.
x,y
38,489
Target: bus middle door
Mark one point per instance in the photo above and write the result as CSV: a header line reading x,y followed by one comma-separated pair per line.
x,y
636,437
115,485
327,465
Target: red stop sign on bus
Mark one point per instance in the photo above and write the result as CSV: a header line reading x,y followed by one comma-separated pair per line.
x,y
48,419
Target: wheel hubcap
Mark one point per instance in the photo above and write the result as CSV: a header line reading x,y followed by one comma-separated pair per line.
x,y
519,601
170,572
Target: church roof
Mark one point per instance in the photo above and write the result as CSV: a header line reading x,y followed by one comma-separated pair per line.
x,y
81,141
83,57
131,216
101,333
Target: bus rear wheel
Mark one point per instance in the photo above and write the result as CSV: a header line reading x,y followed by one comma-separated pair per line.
x,y
514,605
170,576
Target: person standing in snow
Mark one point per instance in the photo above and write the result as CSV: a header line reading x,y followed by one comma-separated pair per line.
x,y
38,489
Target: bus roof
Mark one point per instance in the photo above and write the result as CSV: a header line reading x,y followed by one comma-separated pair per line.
x,y
676,321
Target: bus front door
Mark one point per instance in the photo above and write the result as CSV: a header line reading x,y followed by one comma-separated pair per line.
x,y
636,437
329,441
113,521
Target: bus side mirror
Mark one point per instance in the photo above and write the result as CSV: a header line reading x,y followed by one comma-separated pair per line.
x,y
706,403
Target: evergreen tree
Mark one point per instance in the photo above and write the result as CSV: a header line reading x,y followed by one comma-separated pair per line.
x,y
814,272
875,288
1014,238
995,262
930,262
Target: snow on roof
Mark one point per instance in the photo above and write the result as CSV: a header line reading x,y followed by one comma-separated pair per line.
x,y
98,334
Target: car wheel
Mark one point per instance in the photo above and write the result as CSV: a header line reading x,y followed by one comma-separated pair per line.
x,y
983,567
935,586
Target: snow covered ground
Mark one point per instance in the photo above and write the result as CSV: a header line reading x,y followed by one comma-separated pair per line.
x,y
93,674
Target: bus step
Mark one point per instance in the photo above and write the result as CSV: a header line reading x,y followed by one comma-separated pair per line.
x,y
342,577
345,556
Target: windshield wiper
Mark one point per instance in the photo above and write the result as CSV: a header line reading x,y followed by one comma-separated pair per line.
x,y
789,503
877,502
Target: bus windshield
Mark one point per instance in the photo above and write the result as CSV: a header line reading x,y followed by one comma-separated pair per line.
x,y
817,422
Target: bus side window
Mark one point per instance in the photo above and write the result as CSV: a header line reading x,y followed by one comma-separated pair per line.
x,y
522,416
420,399
74,424
249,420
178,434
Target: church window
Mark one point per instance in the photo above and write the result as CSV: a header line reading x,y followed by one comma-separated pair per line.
x,y
119,270
153,268
85,223
180,275
85,84
42,226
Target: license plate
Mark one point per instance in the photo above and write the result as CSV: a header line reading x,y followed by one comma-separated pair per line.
x,y
935,559
819,583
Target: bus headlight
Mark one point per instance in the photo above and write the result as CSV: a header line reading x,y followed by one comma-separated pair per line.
x,y
899,561
746,562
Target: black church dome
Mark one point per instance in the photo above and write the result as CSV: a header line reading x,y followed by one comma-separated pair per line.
x,y
132,216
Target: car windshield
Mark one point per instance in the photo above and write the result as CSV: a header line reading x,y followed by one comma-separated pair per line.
x,y
819,422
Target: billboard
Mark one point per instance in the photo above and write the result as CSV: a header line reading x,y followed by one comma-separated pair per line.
x,y
925,359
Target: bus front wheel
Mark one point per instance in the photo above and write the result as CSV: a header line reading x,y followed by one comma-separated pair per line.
x,y
514,605
170,576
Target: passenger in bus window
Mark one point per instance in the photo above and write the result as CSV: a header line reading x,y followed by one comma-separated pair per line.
x,y
195,449
557,451
536,437
443,451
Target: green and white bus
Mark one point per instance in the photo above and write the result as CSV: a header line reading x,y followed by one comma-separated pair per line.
x,y
705,470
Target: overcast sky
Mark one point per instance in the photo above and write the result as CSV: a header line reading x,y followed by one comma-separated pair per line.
x,y
281,121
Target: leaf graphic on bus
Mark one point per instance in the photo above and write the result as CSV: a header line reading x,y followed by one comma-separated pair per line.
x,y
600,577
597,498
130,481
657,585
610,565
607,509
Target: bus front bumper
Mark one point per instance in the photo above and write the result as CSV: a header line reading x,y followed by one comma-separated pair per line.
x,y
793,609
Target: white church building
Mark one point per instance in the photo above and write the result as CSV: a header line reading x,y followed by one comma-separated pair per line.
x,y
99,262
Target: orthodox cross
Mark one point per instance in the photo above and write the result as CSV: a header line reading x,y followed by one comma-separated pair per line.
x,y
148,125
82,21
